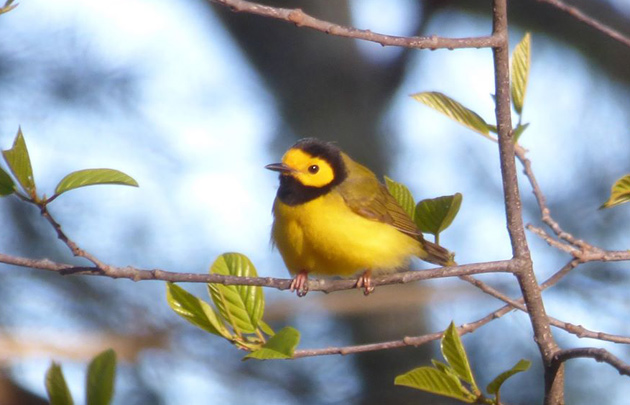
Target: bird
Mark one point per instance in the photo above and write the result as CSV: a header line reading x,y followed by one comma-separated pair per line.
x,y
333,217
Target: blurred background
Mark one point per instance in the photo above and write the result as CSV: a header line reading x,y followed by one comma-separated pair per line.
x,y
193,100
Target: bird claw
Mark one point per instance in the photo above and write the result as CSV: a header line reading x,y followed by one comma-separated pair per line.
x,y
365,282
299,284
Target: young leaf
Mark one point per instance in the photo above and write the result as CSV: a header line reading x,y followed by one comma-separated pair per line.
x,y
435,381
242,306
7,186
20,163
280,346
619,193
521,60
100,379
495,385
195,311
436,214
265,328
518,131
454,353
58,392
91,177
454,111
402,195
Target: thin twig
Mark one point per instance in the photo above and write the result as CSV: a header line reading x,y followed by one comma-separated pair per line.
x,y
301,19
600,355
591,22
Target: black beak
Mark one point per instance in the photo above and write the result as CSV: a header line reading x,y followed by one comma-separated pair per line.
x,y
279,167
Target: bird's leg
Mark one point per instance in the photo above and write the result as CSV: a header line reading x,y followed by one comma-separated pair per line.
x,y
300,283
365,282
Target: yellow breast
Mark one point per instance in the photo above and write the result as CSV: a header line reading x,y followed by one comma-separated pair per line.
x,y
323,236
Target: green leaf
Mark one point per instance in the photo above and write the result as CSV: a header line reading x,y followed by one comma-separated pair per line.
x,y
495,385
242,306
266,328
7,186
91,177
435,381
619,193
20,164
454,111
436,214
8,7
454,353
280,346
195,310
518,131
521,60
58,392
402,195
100,379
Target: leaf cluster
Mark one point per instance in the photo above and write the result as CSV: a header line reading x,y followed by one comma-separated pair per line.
x,y
99,382
519,69
23,182
454,378
237,313
431,215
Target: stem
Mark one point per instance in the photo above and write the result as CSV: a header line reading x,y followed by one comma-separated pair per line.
x,y
554,372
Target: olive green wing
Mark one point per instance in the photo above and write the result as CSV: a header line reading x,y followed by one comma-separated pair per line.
x,y
368,197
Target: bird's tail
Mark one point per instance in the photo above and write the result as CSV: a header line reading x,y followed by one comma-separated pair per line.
x,y
436,254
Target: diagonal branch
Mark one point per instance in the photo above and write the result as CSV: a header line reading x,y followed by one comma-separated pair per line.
x,y
600,355
591,22
301,19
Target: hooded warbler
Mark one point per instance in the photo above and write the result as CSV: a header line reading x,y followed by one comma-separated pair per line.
x,y
333,217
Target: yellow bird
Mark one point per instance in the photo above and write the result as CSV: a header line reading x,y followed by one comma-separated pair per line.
x,y
333,217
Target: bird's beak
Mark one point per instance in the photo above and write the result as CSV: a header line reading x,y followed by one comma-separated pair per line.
x,y
279,167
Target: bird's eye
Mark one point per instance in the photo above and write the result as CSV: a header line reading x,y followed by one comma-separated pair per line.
x,y
313,169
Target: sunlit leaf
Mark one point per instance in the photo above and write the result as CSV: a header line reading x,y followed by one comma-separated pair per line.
x,y
100,379
521,60
434,215
435,381
8,6
402,195
7,186
91,177
454,353
266,328
454,111
242,306
619,193
19,163
494,386
518,131
56,387
195,310
280,346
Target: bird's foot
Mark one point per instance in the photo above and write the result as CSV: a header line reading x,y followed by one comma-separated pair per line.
x,y
365,282
299,284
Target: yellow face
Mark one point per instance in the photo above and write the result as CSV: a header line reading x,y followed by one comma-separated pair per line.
x,y
309,170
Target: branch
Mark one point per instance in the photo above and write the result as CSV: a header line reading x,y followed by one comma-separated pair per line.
x,y
600,355
591,22
301,19
323,285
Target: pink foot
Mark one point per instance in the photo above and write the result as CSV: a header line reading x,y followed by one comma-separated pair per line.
x,y
300,283
365,282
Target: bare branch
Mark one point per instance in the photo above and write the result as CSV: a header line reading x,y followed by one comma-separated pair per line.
x,y
301,19
323,285
591,22
600,355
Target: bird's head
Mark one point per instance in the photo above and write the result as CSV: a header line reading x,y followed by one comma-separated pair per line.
x,y
312,163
